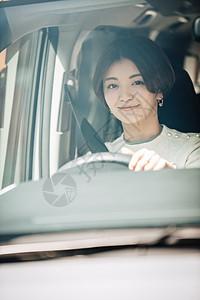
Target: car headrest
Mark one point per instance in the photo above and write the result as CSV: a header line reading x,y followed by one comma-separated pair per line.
x,y
181,110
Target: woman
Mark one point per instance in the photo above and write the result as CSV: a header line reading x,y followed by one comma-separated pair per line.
x,y
132,77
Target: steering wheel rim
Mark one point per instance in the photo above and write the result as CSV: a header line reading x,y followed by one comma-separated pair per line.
x,y
105,157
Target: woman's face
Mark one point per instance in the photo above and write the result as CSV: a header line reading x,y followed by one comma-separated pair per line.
x,y
126,94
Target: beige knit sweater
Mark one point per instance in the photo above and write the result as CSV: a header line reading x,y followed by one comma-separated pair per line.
x,y
183,149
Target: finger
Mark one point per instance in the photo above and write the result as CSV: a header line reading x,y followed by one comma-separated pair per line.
x,y
138,156
171,165
134,161
162,163
127,151
152,163
145,160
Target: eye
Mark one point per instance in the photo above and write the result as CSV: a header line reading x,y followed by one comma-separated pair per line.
x,y
138,82
111,86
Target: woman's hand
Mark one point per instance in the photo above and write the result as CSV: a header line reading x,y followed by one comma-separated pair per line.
x,y
146,160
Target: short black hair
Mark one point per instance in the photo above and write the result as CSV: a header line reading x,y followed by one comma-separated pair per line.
x,y
149,58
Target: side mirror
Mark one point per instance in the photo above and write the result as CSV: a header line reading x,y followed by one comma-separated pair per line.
x,y
196,29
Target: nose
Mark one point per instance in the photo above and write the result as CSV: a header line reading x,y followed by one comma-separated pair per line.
x,y
126,94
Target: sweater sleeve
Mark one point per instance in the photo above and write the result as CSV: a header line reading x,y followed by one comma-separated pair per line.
x,y
193,158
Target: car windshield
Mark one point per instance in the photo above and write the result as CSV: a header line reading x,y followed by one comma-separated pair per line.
x,y
55,172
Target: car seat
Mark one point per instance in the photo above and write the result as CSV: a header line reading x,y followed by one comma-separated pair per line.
x,y
181,110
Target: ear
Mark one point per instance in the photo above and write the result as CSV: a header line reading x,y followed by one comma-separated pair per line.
x,y
159,96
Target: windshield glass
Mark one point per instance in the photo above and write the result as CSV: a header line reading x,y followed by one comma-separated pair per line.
x,y
65,118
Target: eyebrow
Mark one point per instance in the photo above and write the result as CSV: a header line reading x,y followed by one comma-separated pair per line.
x,y
114,78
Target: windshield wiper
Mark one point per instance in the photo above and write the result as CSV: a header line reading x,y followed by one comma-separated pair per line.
x,y
61,244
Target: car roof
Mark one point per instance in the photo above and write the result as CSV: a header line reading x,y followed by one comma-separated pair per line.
x,y
21,17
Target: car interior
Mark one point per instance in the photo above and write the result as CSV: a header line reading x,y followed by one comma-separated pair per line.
x,y
56,46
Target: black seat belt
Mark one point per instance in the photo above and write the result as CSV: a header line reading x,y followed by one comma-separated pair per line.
x,y
93,140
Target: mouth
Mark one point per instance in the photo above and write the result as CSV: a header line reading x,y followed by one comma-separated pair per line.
x,y
128,107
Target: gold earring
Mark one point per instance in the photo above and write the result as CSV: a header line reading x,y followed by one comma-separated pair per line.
x,y
160,102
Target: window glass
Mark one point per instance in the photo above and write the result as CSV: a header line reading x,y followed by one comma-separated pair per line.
x,y
27,90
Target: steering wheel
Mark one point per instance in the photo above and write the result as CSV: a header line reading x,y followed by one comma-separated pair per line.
x,y
105,157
